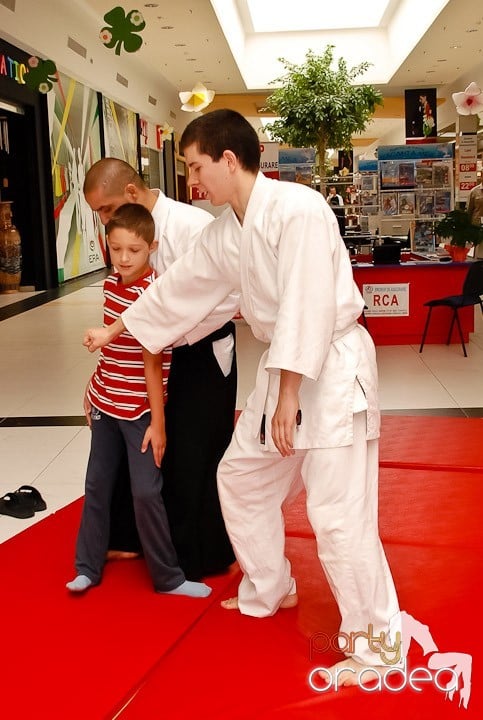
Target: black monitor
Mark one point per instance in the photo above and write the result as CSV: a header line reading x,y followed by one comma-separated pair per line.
x,y
403,240
386,254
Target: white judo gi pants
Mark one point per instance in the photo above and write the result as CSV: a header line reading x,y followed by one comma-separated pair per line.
x,y
342,507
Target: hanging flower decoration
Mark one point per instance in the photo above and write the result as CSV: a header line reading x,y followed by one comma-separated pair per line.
x,y
163,132
166,131
121,30
41,74
469,102
197,99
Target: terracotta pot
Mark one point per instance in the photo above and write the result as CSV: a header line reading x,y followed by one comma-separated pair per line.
x,y
458,254
10,251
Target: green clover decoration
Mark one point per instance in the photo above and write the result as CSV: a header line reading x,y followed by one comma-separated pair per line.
x,y
41,74
121,30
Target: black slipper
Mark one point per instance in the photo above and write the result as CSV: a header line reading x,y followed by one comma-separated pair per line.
x,y
11,505
30,498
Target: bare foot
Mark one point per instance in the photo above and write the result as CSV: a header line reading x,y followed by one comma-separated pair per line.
x,y
121,555
348,672
289,601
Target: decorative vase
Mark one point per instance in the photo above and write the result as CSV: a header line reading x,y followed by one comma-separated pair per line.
x,y
10,251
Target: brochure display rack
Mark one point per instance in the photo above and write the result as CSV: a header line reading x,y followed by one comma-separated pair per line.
x,y
416,188
360,195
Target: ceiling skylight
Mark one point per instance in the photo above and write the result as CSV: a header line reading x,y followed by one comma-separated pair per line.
x,y
310,15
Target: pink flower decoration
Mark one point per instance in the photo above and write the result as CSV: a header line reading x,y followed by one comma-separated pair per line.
x,y
105,36
33,61
469,102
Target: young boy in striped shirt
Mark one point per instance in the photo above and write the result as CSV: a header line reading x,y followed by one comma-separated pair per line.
x,y
127,392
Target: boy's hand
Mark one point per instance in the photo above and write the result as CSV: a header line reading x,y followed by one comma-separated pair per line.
x,y
157,438
286,416
283,425
96,338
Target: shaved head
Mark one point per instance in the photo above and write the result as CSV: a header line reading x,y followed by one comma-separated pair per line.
x,y
112,175
110,183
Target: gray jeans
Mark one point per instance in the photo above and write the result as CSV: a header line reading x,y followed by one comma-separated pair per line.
x,y
110,439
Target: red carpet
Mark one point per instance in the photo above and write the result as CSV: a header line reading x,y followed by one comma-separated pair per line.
x,y
68,657
431,442
124,652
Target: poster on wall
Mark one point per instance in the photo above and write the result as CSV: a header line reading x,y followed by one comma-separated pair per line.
x,y
420,114
345,162
297,165
423,239
75,144
120,132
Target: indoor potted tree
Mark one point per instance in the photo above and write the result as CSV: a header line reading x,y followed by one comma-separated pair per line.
x,y
457,227
319,105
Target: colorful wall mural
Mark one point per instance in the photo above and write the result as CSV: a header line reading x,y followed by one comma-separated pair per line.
x,y
120,132
75,145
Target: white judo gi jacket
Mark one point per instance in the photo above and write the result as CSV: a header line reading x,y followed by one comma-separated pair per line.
x,y
297,293
176,227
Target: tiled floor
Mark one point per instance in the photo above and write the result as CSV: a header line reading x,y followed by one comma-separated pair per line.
x,y
44,369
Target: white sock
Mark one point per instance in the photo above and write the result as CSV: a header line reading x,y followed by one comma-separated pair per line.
x,y
79,584
190,588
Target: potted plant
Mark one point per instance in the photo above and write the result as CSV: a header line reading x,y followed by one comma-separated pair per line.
x,y
320,105
457,227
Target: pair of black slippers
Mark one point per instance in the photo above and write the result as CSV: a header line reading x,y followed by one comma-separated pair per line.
x,y
23,503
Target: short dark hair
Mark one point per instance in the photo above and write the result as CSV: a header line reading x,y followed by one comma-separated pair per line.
x,y
221,130
135,218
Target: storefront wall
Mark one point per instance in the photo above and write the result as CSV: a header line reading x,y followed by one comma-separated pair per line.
x,y
25,177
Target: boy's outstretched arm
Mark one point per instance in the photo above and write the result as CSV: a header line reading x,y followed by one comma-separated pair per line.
x,y
95,338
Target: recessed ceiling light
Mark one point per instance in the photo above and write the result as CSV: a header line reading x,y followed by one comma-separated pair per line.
x,y
472,30
442,60
456,46
151,4
167,27
191,59
180,44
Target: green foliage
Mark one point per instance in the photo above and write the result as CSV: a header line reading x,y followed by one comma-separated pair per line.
x,y
458,228
319,104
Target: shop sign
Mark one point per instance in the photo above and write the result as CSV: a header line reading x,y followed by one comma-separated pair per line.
x,y
13,68
386,300
466,176
269,159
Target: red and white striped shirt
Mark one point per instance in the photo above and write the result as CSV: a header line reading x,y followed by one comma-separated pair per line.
x,y
118,385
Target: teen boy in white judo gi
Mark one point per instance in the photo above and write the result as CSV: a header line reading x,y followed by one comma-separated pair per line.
x,y
314,410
